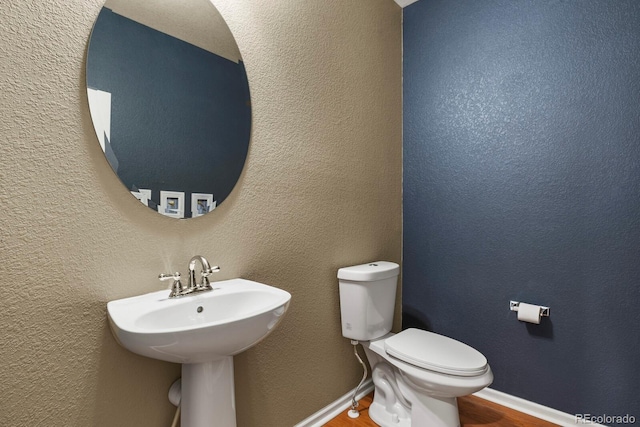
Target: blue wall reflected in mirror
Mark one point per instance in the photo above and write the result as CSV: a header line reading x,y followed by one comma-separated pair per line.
x,y
172,118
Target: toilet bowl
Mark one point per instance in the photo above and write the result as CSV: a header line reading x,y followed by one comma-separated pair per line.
x,y
417,374
427,395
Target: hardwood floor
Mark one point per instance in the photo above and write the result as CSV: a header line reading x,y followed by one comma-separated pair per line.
x,y
480,412
474,412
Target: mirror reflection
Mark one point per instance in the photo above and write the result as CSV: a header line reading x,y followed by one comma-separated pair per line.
x,y
170,103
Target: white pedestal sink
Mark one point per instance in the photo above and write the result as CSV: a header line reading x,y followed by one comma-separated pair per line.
x,y
203,332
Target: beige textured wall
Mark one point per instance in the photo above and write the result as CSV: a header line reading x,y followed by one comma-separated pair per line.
x,y
321,189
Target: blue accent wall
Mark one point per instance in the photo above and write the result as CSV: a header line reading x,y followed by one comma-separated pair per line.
x,y
522,182
189,95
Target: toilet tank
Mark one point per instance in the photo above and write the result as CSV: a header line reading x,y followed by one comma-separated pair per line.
x,y
367,299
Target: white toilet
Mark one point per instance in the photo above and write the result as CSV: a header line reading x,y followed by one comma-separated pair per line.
x,y
417,374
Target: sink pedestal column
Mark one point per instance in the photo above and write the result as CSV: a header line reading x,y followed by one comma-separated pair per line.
x,y
208,394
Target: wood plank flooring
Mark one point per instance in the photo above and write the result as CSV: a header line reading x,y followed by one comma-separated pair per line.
x,y
474,412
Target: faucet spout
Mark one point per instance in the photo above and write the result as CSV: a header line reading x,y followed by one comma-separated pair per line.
x,y
206,271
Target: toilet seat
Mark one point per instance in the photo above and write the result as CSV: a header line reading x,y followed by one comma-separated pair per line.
x,y
436,353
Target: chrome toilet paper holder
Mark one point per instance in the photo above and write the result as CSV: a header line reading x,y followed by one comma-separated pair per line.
x,y
544,311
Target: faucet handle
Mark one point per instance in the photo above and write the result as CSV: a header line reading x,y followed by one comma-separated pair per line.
x,y
204,284
176,287
211,270
168,276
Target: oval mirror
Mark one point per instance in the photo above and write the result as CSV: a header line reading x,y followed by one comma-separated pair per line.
x,y
170,103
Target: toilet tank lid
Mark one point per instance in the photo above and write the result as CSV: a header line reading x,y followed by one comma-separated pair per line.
x,y
369,272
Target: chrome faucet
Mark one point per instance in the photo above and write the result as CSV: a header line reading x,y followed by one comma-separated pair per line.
x,y
178,290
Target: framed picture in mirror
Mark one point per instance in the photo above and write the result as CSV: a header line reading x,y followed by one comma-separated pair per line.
x,y
171,204
144,195
201,203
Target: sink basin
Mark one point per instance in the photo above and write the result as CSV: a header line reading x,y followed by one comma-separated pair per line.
x,y
202,331
198,328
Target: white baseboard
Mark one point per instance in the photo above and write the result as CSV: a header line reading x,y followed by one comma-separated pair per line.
x,y
531,408
332,410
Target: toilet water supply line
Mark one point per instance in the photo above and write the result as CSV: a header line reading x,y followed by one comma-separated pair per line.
x,y
176,418
353,413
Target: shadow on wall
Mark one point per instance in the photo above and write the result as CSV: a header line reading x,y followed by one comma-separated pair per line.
x,y
118,370
412,318
543,330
